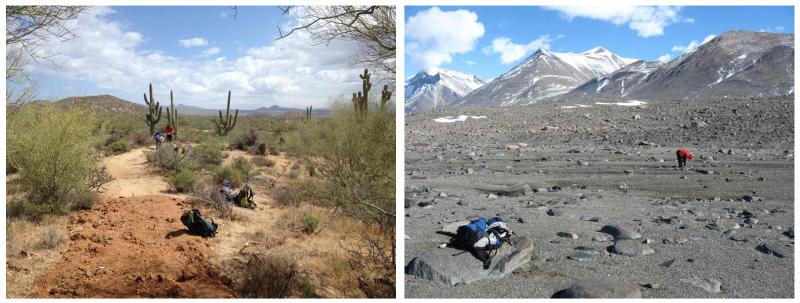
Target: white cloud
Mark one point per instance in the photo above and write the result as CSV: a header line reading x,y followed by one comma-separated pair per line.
x,y
647,21
211,51
510,51
435,36
470,62
688,20
776,29
192,42
692,45
287,72
664,58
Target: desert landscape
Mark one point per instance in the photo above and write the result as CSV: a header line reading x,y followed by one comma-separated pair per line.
x,y
98,186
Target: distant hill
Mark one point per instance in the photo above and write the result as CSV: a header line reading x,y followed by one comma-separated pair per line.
x,y
102,104
108,104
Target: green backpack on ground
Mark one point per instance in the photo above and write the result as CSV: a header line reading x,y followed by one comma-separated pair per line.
x,y
197,224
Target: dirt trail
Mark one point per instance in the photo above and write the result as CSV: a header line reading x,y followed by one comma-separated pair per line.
x,y
133,247
132,243
133,176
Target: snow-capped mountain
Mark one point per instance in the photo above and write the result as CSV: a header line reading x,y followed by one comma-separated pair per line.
x,y
736,63
426,92
545,74
614,84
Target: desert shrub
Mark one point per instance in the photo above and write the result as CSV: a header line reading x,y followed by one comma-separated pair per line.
x,y
262,162
26,210
166,158
250,137
228,174
270,276
244,166
81,199
207,154
262,149
284,195
293,173
119,146
140,138
212,198
309,223
50,238
273,150
52,150
183,181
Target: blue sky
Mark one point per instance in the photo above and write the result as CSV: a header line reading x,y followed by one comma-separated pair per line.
x,y
645,33
200,53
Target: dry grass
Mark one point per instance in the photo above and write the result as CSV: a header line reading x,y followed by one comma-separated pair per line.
x,y
31,249
270,276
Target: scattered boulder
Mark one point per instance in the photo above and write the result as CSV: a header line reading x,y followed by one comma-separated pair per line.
x,y
772,249
449,267
600,289
512,146
631,248
581,256
620,232
554,212
515,190
709,285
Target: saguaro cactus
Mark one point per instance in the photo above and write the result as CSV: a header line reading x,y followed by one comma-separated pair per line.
x,y
361,99
308,113
386,94
153,114
172,117
226,125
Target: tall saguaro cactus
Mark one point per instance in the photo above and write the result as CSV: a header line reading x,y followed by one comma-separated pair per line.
x,y
153,114
386,94
226,125
361,99
172,117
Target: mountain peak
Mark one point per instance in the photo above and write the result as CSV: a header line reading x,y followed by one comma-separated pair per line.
x,y
596,50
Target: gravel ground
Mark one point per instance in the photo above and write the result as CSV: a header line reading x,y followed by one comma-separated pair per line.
x,y
615,164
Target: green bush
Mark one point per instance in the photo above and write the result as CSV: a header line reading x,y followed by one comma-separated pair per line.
x,y
24,209
166,158
81,199
262,162
52,150
309,223
207,155
183,181
244,166
228,174
119,146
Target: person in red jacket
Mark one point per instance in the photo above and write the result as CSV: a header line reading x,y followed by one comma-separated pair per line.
x,y
683,156
170,132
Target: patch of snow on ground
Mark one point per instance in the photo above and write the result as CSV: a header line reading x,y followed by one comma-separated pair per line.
x,y
461,118
625,103
576,106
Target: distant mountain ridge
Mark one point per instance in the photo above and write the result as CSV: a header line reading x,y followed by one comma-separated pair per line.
x,y
425,91
109,104
545,74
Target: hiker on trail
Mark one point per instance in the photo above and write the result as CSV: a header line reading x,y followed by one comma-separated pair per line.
x,y
170,132
683,156
158,139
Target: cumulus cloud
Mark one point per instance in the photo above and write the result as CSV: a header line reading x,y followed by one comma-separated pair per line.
x,y
776,29
692,45
192,42
664,58
647,21
434,36
211,51
510,51
283,72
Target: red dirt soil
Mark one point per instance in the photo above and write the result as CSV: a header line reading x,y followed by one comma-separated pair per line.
x,y
134,247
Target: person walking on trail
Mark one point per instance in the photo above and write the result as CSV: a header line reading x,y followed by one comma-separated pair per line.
x,y
683,156
170,132
158,139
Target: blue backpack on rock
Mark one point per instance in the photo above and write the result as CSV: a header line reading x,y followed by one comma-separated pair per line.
x,y
482,238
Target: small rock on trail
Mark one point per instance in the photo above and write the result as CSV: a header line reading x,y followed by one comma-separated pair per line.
x,y
594,289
